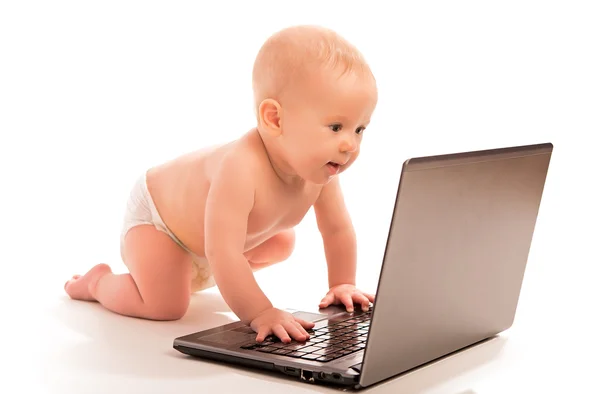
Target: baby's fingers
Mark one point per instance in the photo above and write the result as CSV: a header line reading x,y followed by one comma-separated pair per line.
x,y
362,300
346,299
302,330
295,331
281,333
304,323
370,297
263,332
327,300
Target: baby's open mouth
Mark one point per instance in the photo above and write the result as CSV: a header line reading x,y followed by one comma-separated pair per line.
x,y
333,167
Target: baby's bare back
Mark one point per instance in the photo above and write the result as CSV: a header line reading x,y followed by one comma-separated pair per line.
x,y
180,188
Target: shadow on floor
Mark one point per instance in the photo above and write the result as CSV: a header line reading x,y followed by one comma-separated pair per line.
x,y
121,348
121,345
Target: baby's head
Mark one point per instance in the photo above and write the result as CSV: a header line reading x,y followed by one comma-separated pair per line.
x,y
314,96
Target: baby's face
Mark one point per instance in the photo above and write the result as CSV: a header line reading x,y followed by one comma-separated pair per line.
x,y
324,125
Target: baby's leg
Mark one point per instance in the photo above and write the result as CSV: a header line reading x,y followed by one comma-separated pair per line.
x,y
157,287
274,250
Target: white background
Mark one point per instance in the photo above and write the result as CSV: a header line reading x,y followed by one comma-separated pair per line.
x,y
92,93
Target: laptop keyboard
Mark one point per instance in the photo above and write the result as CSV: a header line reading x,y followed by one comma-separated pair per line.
x,y
327,343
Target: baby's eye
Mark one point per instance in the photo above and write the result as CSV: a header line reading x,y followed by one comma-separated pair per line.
x,y
360,130
335,127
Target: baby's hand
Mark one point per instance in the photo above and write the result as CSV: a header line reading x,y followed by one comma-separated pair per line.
x,y
280,323
347,295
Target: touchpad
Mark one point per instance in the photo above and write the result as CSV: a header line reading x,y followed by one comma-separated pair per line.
x,y
311,317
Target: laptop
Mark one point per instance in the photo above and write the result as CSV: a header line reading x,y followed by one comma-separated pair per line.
x,y
451,276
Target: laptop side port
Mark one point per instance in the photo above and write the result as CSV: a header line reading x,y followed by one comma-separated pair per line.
x,y
307,375
289,370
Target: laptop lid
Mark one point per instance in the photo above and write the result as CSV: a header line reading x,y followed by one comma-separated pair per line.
x,y
456,253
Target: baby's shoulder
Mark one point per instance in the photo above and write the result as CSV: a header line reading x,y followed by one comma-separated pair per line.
x,y
241,158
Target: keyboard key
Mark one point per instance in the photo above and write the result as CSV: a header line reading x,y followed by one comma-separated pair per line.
x,y
328,342
294,346
282,351
311,356
339,354
310,349
325,358
296,354
324,351
267,349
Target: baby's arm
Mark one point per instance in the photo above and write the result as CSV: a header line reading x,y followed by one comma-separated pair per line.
x,y
228,206
337,231
339,241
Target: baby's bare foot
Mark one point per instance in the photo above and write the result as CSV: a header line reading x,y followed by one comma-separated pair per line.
x,y
78,287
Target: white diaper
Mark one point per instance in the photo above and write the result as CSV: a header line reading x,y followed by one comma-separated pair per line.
x,y
141,210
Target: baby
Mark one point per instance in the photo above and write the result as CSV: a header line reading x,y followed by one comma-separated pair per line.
x,y
215,216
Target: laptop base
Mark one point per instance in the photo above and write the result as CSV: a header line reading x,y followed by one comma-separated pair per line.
x,y
305,375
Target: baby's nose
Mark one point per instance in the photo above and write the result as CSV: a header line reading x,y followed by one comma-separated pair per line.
x,y
348,145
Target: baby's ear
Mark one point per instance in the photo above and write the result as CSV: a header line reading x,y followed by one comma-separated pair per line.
x,y
269,113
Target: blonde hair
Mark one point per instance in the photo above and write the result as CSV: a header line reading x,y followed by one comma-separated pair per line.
x,y
292,54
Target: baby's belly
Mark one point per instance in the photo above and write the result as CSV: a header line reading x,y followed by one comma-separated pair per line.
x,y
193,237
182,206
189,229
254,240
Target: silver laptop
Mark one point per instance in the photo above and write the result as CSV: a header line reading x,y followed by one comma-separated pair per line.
x,y
451,276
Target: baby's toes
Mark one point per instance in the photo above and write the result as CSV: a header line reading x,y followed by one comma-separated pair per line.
x,y
77,289
73,279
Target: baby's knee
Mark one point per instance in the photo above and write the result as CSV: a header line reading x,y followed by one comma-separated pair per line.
x,y
169,308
